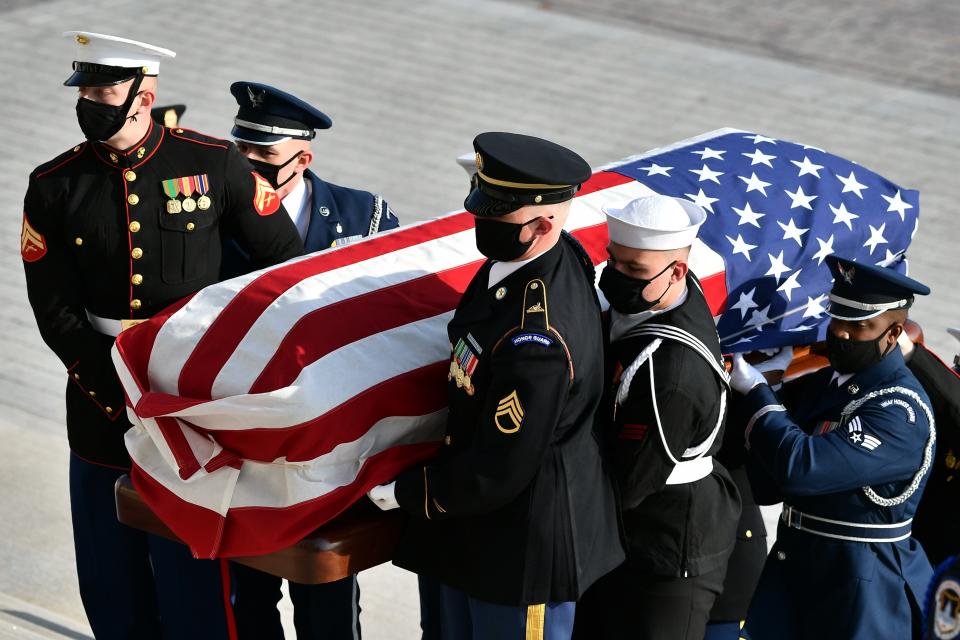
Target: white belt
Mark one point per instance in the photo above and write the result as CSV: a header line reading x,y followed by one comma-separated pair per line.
x,y
687,471
109,326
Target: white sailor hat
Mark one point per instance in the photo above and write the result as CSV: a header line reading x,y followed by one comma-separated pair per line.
x,y
655,222
468,162
104,60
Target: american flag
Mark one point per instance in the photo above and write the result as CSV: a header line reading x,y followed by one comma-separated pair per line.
x,y
265,405
776,210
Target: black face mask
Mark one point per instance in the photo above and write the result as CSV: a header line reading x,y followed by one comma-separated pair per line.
x,y
99,122
625,294
854,356
501,240
272,171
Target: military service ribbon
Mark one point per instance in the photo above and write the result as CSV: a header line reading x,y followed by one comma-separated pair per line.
x,y
171,187
462,366
203,185
188,185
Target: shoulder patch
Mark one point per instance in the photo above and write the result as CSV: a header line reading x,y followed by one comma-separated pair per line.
x,y
33,246
52,165
531,338
265,199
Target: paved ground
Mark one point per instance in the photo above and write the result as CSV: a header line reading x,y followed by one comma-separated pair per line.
x,y
873,81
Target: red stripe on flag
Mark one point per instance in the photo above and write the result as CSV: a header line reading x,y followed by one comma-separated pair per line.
x,y
258,530
224,334
182,453
603,180
715,291
413,393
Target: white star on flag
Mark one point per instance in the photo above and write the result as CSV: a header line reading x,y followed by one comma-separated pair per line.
x,y
790,284
826,248
808,168
748,215
759,157
897,204
800,199
890,258
707,174
815,306
792,232
876,237
759,317
656,170
850,184
706,153
757,139
755,184
842,216
777,266
740,246
745,303
702,200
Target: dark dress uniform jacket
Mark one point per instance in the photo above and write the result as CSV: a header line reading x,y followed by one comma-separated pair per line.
x,y
674,530
517,509
337,215
110,247
937,523
842,582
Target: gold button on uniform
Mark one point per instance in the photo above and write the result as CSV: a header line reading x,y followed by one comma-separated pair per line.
x,y
108,409
447,440
78,241
130,176
76,376
749,533
137,253
136,279
190,226
93,394
133,198
179,130
134,226
135,304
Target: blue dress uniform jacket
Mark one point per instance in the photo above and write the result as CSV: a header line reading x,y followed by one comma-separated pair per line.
x,y
516,509
850,463
338,215
98,238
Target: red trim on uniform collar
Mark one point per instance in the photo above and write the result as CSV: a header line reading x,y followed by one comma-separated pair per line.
x,y
135,155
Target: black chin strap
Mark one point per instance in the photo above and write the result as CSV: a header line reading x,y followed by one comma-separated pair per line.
x,y
134,92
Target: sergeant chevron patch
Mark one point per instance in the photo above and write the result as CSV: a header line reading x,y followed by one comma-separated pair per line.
x,y
509,410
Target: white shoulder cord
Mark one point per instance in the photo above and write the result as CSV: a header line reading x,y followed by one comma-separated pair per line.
x,y
927,451
631,371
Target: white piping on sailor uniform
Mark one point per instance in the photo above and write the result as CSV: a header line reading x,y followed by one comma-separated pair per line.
x,y
692,465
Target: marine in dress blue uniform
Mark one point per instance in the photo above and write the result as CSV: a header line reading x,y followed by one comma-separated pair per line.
x,y
114,230
274,130
848,450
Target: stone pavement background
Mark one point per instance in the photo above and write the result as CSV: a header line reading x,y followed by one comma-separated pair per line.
x,y
408,86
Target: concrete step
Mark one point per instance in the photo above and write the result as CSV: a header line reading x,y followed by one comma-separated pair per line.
x,y
21,620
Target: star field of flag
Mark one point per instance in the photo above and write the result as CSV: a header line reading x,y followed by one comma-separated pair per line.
x,y
776,210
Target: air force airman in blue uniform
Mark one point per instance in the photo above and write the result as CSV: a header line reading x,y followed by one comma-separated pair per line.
x,y
274,130
848,450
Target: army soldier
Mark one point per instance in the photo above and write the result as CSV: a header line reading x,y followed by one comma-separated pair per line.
x,y
516,518
664,422
274,129
114,230
848,450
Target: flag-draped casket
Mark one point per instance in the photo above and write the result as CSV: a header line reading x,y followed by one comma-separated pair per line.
x,y
265,405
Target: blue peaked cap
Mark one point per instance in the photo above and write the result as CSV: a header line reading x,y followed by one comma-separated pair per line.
x,y
861,290
268,115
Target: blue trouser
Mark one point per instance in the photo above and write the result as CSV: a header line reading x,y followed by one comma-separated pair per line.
x,y
133,584
328,611
463,617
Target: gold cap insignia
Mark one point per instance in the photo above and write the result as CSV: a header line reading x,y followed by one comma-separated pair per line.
x,y
83,40
509,409
479,161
